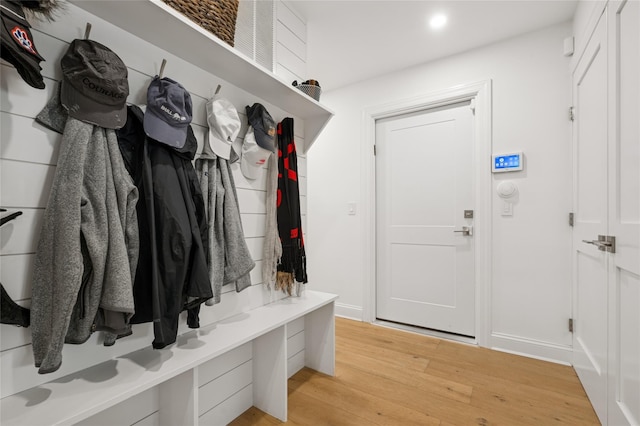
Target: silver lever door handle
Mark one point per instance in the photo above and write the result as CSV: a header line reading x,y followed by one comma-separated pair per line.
x,y
604,243
594,242
466,230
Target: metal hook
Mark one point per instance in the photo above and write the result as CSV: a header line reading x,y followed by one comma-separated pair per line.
x,y
164,62
218,89
87,31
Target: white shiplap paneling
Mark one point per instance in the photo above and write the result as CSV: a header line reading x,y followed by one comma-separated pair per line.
x,y
291,44
28,154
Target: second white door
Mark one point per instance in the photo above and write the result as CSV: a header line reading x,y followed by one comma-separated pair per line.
x,y
425,244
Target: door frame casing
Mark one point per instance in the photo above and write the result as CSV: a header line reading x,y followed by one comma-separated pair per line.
x,y
479,93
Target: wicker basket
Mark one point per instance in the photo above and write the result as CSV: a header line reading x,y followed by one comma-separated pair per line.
x,y
311,90
216,16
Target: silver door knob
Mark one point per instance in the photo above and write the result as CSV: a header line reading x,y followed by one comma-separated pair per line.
x,y
466,230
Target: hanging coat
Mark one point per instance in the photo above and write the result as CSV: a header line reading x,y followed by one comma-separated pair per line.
x,y
88,246
172,273
229,258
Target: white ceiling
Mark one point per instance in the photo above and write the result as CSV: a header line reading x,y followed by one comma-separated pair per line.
x,y
351,40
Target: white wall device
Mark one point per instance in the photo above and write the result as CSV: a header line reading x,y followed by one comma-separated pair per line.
x,y
508,191
512,162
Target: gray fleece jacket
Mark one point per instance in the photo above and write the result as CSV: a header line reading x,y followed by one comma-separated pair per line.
x,y
229,259
88,247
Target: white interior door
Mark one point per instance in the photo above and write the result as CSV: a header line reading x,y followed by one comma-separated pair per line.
x,y
624,214
424,184
590,209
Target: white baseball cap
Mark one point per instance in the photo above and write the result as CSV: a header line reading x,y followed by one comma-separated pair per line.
x,y
253,156
224,126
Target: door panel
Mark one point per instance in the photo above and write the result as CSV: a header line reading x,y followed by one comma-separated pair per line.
x,y
624,188
625,398
590,208
439,289
424,167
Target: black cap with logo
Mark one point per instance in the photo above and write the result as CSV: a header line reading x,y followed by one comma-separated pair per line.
x,y
18,47
94,84
263,125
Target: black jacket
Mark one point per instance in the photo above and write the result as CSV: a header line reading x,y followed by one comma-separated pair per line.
x,y
172,272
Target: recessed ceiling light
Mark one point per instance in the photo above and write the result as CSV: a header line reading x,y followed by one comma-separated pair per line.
x,y
438,21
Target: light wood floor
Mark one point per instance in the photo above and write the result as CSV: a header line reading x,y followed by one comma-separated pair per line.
x,y
392,377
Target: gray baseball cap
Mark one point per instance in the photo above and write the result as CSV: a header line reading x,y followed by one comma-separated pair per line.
x,y
94,84
169,112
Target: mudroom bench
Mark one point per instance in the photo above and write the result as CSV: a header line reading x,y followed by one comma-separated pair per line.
x,y
255,351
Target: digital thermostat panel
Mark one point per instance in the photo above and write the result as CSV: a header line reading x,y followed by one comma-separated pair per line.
x,y
512,162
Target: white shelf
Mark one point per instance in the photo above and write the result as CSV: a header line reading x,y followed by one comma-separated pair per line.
x,y
78,396
159,24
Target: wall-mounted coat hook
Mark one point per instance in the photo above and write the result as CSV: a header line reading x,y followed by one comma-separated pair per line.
x,y
164,63
87,31
218,89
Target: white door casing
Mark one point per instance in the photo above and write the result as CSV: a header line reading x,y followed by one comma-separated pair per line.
x,y
424,184
624,213
590,209
480,95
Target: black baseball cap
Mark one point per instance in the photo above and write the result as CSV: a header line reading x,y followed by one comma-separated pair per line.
x,y
94,84
17,43
264,128
169,112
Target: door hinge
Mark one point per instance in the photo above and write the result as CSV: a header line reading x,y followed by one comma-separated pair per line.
x,y
571,219
571,325
571,113
374,150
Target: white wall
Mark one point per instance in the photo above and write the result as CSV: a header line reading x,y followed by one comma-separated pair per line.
x,y
584,19
530,290
28,156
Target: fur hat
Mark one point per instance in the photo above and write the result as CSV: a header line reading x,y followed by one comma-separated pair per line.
x,y
42,9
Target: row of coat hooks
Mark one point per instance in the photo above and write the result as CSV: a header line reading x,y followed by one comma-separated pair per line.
x,y
87,32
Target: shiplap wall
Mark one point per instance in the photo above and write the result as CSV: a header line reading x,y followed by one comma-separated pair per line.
x,y
291,44
28,156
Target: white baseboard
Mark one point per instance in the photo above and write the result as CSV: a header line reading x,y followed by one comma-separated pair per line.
x,y
531,348
349,311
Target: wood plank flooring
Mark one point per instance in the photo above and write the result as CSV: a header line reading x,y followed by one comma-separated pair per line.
x,y
392,377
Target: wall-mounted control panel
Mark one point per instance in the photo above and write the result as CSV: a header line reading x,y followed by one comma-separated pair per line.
x,y
512,162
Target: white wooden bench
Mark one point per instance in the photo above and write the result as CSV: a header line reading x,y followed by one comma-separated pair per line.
x,y
177,380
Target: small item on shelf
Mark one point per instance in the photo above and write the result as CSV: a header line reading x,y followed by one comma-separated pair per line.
x,y
309,87
216,16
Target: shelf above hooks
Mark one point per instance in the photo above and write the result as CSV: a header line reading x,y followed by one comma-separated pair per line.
x,y
220,59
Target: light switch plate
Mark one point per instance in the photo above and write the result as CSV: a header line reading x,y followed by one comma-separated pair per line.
x,y
507,209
